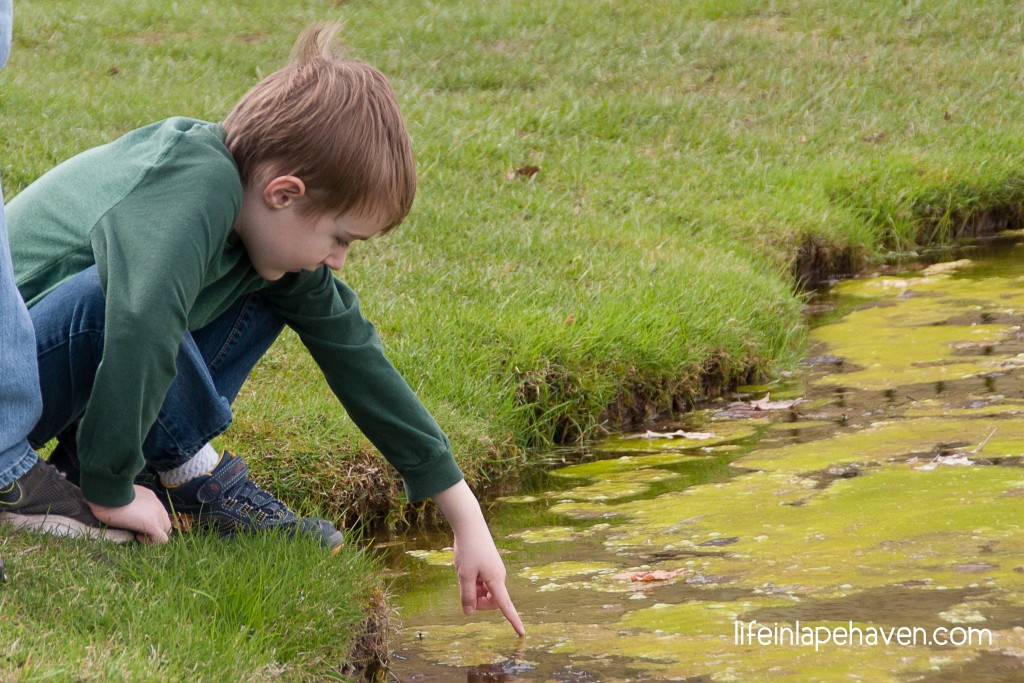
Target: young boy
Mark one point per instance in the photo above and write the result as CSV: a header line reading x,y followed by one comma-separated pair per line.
x,y
160,267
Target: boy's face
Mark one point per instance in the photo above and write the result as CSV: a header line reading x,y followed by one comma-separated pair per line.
x,y
280,238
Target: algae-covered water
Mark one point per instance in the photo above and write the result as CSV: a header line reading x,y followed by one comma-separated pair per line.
x,y
882,511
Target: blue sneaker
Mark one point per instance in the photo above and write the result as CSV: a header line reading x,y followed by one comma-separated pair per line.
x,y
227,500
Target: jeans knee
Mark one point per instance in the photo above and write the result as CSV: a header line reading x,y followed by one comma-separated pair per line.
x,y
89,308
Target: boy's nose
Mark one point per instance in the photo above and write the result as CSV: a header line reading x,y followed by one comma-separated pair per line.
x,y
336,259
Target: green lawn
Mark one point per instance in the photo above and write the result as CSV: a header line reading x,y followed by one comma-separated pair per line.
x,y
198,609
696,159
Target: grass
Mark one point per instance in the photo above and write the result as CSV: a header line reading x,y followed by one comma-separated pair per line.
x,y
696,160
198,609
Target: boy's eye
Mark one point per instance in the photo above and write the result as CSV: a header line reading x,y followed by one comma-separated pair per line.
x,y
341,242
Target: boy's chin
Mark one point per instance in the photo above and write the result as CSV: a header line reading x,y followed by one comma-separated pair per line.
x,y
271,275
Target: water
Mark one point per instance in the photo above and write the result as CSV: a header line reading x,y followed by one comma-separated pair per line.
x,y
890,496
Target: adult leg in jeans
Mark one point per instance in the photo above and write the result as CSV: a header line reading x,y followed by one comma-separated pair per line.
x,y
20,403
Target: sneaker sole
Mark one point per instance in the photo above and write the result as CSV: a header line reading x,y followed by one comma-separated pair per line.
x,y
65,526
184,522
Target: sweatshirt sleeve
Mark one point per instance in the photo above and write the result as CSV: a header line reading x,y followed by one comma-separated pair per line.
x,y
152,250
325,313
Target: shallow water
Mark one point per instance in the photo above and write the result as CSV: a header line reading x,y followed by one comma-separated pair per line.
x,y
891,495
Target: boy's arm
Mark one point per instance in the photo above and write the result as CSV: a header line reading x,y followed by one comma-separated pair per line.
x,y
152,251
325,314
480,569
149,287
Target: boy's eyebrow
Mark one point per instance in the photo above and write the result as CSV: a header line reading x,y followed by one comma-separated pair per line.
x,y
349,237
352,237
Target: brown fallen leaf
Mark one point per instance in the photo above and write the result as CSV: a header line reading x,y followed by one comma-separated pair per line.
x,y
649,576
766,404
526,171
671,435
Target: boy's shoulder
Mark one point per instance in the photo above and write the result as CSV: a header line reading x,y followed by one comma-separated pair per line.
x,y
157,171
177,141
172,156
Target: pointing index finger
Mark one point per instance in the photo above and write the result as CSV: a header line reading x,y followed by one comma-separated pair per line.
x,y
504,602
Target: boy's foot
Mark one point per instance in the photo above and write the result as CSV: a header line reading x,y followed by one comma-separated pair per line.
x,y
43,500
227,500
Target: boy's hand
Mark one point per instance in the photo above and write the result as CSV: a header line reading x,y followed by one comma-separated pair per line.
x,y
482,579
480,569
145,516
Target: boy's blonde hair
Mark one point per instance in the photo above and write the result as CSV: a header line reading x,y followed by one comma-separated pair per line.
x,y
332,122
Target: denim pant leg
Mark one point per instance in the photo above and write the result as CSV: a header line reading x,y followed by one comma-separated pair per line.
x,y
6,12
228,349
20,403
69,331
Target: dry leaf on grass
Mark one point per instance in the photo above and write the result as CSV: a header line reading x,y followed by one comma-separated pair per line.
x,y
522,171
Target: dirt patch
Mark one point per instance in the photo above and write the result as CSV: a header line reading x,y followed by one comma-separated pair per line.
x,y
817,261
369,656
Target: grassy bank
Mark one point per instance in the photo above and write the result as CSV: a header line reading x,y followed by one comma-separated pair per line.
x,y
197,609
696,161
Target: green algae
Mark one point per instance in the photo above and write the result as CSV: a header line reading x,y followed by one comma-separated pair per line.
x,y
623,486
561,570
625,464
915,339
894,524
799,425
696,618
892,439
557,534
839,529
438,558
908,350
935,408
725,431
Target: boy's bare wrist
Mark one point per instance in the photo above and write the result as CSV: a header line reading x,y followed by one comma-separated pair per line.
x,y
462,510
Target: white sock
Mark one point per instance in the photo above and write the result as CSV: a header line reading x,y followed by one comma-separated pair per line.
x,y
201,463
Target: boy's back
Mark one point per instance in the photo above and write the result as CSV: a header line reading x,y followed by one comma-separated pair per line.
x,y
139,204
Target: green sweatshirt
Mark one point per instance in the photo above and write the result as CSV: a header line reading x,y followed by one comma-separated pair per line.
x,y
155,210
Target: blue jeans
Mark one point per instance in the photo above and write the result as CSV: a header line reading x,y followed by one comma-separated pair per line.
x,y
19,383
6,12
20,404
212,364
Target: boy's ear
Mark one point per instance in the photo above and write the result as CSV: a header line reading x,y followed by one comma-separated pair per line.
x,y
281,191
